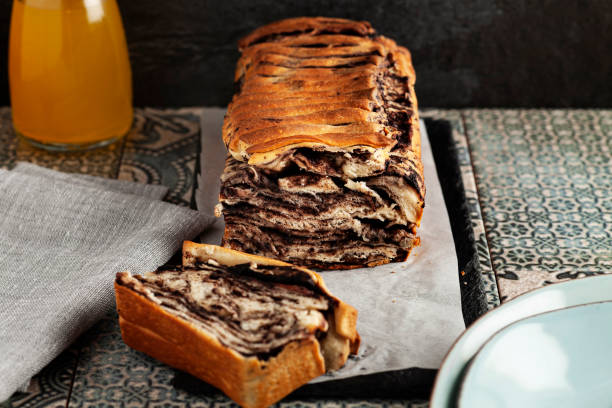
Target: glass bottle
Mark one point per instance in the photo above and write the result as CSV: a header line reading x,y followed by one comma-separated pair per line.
x,y
69,73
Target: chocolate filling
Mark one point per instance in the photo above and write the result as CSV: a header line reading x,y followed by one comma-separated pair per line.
x,y
253,309
281,214
316,194
326,253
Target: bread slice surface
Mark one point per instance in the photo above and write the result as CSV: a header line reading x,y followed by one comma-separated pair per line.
x,y
150,323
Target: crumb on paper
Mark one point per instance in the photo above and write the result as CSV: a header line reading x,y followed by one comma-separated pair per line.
x,y
392,300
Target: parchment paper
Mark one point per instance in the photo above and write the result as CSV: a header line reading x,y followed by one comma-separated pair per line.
x,y
410,312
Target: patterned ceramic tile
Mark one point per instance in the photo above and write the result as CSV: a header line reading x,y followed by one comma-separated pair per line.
x,y
51,387
469,184
8,141
545,186
162,148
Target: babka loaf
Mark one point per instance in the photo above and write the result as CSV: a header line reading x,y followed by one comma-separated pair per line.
x,y
324,166
253,327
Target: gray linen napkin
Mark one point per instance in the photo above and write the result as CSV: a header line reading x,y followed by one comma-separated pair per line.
x,y
62,239
156,192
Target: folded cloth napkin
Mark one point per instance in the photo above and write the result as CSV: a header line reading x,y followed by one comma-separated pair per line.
x,y
62,239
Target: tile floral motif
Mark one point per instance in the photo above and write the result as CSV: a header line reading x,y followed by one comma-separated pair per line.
x,y
102,162
471,192
162,148
545,185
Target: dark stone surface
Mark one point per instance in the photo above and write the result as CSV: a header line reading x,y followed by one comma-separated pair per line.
x,y
482,53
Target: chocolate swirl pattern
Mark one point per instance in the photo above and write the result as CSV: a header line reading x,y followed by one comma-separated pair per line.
x,y
252,316
254,327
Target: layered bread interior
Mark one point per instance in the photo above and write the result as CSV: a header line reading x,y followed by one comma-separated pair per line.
x,y
324,165
255,310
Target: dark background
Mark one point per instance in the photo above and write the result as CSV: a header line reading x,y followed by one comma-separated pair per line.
x,y
480,53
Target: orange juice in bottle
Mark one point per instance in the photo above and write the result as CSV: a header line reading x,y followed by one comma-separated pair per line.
x,y
69,73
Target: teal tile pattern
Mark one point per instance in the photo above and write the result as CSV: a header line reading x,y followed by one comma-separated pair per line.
x,y
544,182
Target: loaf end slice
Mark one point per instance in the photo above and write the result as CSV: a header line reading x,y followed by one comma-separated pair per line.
x,y
163,323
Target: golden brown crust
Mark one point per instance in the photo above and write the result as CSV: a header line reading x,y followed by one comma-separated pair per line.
x,y
299,63
251,382
312,25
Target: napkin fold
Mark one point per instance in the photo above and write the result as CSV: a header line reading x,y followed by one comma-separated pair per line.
x,y
62,239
